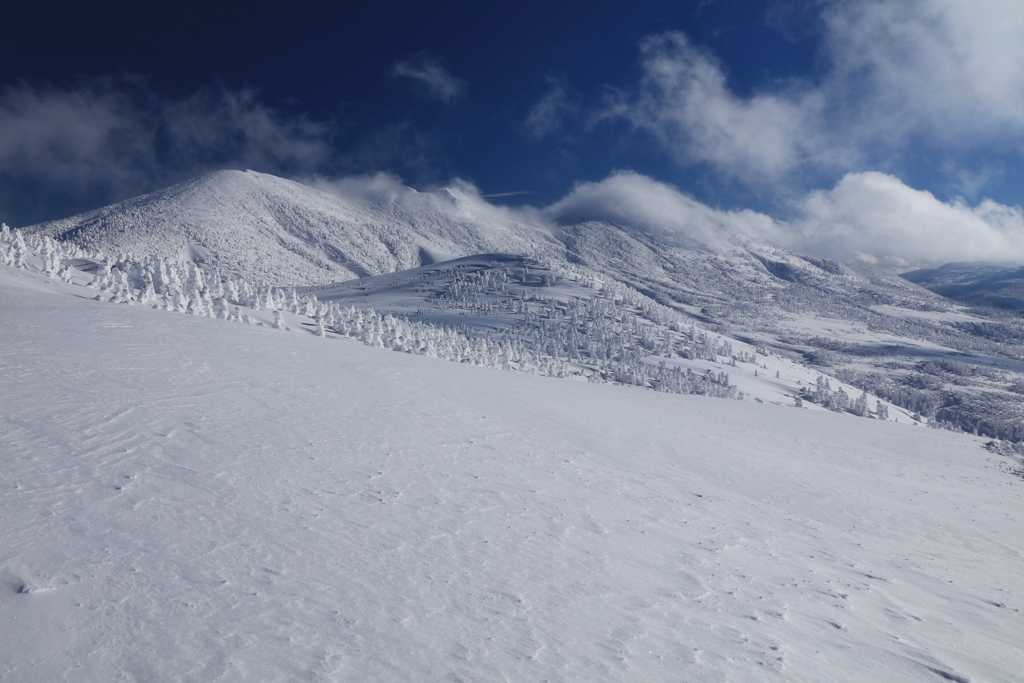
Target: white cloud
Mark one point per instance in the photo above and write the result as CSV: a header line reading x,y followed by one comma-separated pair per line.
x,y
872,217
375,187
234,125
630,199
684,100
547,116
876,217
947,69
438,83
457,196
945,75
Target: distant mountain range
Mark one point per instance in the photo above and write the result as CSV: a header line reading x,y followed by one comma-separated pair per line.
x,y
983,283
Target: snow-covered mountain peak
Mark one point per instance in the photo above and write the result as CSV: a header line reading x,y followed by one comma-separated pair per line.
x,y
269,228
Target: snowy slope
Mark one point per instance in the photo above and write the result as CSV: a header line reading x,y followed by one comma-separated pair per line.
x,y
268,228
190,499
734,270
495,310
510,296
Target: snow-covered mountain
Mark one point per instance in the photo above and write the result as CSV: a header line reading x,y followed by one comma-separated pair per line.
x,y
271,229
868,328
267,228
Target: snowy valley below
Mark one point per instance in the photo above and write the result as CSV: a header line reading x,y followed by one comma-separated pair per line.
x,y
256,431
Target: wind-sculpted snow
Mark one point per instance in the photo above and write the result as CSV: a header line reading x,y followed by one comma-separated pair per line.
x,y
186,499
266,228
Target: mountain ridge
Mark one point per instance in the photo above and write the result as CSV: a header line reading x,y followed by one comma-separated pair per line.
x,y
269,228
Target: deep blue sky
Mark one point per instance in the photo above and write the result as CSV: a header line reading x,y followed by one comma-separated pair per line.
x,y
739,103
333,61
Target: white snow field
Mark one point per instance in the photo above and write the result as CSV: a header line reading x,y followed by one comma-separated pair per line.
x,y
189,499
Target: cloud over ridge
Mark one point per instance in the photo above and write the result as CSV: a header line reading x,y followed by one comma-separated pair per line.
x,y
870,217
875,217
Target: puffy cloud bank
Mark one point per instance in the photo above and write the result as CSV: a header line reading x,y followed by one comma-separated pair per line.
x,y
870,217
877,218
630,199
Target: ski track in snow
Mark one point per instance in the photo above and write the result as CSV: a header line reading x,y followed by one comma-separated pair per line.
x,y
189,499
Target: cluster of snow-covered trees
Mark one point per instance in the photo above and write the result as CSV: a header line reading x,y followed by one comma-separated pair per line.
x,y
986,413
920,401
16,250
605,325
840,401
439,341
612,334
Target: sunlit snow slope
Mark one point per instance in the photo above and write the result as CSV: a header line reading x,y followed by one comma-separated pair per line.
x,y
271,229
190,499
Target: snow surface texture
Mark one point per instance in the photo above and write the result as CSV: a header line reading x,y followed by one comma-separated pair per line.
x,y
190,499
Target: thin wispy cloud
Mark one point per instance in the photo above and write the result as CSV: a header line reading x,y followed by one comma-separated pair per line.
x,y
550,113
434,79
518,193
